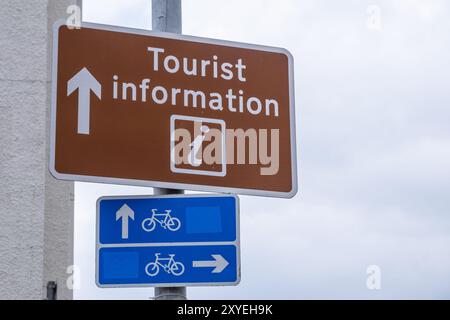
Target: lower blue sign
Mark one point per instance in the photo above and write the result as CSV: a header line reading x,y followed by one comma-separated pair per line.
x,y
166,265
174,240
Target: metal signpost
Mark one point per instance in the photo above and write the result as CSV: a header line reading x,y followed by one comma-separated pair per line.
x,y
172,240
166,17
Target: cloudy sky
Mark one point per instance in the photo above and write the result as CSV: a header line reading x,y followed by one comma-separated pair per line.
x,y
373,106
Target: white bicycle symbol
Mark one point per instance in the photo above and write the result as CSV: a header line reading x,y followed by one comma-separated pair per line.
x,y
164,219
171,266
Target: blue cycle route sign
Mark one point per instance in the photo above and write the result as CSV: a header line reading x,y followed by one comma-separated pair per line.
x,y
173,240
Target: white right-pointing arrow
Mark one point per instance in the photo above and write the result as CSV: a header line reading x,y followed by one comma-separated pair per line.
x,y
84,82
219,263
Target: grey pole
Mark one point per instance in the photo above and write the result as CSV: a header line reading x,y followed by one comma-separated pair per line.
x,y
166,17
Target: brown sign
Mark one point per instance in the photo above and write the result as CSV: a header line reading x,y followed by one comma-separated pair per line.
x,y
153,109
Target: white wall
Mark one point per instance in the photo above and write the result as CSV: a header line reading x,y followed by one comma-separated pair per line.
x,y
31,202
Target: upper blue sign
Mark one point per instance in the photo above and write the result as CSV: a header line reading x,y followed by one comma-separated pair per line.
x,y
167,219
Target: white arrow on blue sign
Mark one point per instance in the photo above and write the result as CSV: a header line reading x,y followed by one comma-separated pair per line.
x,y
173,240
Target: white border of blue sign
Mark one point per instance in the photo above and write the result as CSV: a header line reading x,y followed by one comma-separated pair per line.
x,y
174,185
237,243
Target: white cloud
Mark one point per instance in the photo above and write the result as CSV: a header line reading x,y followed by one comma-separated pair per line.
x,y
129,13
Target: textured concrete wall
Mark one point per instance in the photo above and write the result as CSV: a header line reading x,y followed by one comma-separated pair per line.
x,y
59,196
36,214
